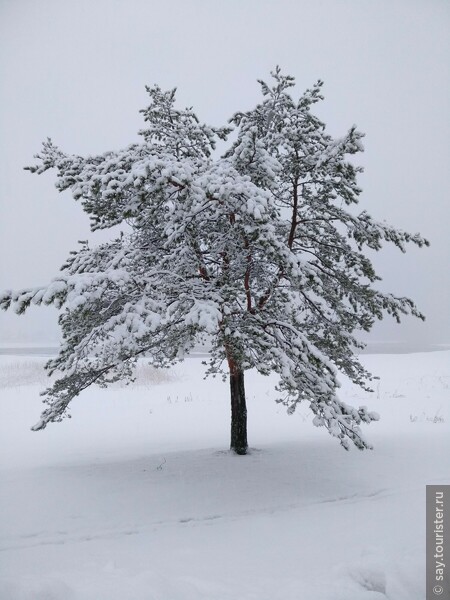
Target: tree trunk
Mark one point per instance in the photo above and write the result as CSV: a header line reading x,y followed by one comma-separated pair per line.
x,y
238,409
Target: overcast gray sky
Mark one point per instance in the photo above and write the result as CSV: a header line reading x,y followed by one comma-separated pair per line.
x,y
76,71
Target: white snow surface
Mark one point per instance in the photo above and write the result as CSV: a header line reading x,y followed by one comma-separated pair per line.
x,y
137,498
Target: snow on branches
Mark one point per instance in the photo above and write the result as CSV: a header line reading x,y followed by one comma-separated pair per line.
x,y
257,250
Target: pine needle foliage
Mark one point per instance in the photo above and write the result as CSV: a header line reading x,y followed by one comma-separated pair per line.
x,y
259,252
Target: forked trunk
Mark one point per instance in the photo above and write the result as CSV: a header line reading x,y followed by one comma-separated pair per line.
x,y
238,409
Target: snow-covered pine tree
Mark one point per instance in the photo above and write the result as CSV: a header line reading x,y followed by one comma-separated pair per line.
x,y
260,251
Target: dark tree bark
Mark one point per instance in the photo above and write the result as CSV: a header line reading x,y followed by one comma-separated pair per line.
x,y
238,409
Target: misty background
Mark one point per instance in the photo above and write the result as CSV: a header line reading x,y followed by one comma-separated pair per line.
x,y
76,71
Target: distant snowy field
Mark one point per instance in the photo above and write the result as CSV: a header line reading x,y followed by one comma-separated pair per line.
x,y
137,498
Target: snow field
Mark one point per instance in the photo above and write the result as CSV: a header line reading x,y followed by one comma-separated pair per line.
x,y
137,498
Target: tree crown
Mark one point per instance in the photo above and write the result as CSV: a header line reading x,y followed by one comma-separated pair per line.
x,y
259,251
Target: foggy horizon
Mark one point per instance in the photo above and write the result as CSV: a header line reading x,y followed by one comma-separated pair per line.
x,y
76,72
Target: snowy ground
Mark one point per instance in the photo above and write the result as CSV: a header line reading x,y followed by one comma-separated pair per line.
x,y
137,498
